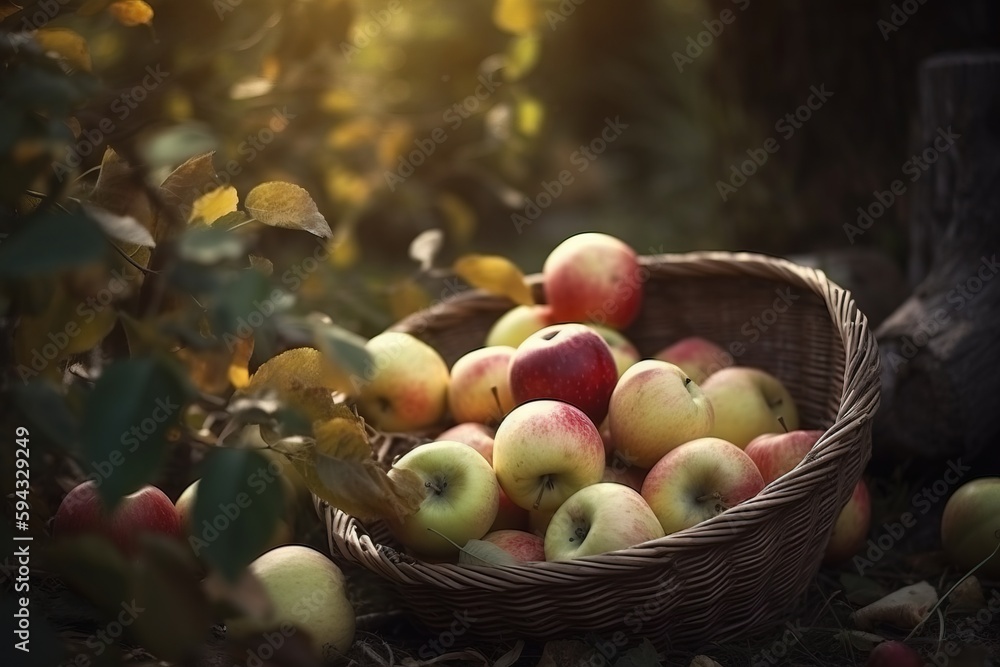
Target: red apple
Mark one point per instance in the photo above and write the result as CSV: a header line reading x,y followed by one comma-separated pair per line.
x,y
593,277
148,510
894,654
477,436
565,362
696,356
478,390
777,453
520,544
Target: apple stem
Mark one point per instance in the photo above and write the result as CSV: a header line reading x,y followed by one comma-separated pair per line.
x,y
538,500
434,487
781,420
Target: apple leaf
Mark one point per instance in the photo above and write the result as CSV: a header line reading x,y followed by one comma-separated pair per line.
x,y
496,275
479,552
425,246
239,375
286,205
121,227
214,205
238,504
52,242
407,297
47,410
904,608
521,57
303,379
344,349
339,467
126,419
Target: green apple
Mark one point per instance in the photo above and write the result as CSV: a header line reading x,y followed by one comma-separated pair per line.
x,y
545,451
697,481
461,501
307,591
749,402
655,407
970,525
479,390
517,324
622,349
597,519
406,386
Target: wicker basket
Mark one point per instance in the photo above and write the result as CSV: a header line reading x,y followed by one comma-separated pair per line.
x,y
726,577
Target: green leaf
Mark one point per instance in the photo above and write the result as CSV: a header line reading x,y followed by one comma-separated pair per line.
x,y
52,242
126,419
238,504
210,245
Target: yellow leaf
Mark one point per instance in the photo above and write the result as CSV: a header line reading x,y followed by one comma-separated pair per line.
x,y
517,16
530,116
294,374
338,466
407,297
460,217
352,133
522,56
213,205
66,44
496,275
239,375
286,205
395,140
346,187
338,101
131,13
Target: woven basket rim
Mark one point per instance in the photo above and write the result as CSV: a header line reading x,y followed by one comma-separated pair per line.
x,y
859,400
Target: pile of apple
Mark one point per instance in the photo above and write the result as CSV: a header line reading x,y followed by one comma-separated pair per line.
x,y
566,443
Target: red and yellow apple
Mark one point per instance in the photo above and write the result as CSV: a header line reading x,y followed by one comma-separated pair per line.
x,y
517,324
544,452
699,480
970,526
696,356
593,277
654,408
477,436
479,390
622,349
406,386
522,545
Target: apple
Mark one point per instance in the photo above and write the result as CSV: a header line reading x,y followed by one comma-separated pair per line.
x,y
406,386
850,530
699,480
654,408
747,403
630,476
567,362
307,591
461,502
777,453
597,519
517,324
148,510
477,436
970,525
520,544
544,452
894,654
282,533
479,390
593,277
622,350
696,356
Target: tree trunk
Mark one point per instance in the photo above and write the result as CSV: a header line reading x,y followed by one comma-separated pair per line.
x,y
941,348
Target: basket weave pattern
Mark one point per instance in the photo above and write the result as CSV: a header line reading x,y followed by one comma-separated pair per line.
x,y
725,577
